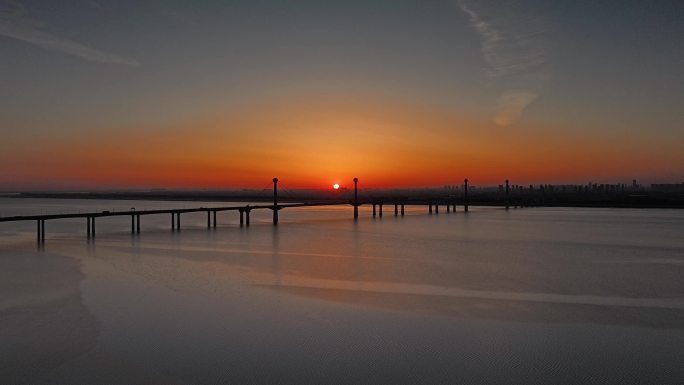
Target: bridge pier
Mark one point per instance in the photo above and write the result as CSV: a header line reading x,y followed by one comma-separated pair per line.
x,y
40,231
402,209
214,218
380,212
373,210
208,219
436,208
173,221
448,206
137,223
90,224
242,217
429,208
396,209
178,221
247,217
133,224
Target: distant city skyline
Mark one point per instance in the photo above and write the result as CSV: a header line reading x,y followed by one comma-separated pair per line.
x,y
167,94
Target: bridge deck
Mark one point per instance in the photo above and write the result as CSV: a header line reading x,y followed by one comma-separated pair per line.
x,y
98,214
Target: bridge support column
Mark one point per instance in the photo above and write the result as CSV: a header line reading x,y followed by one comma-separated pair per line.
x,y
436,208
380,213
137,223
247,217
133,223
208,219
92,227
242,217
396,209
373,210
402,209
173,221
88,226
508,197
40,231
178,221
429,208
214,218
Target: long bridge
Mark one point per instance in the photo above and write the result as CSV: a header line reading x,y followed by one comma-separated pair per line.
x,y
433,203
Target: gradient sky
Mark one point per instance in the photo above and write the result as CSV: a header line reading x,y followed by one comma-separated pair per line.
x,y
209,94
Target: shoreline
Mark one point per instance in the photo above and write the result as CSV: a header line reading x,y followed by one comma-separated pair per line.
x,y
641,201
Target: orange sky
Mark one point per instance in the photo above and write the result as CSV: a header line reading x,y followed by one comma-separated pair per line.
x,y
315,141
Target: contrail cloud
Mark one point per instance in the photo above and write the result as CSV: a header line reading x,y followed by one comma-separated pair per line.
x,y
14,25
515,55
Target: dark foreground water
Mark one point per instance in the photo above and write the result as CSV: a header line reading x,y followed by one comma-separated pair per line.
x,y
527,296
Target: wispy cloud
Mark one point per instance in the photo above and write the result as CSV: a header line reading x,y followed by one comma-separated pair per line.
x,y
514,50
511,105
15,24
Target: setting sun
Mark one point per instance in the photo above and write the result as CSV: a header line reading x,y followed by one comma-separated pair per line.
x,y
336,186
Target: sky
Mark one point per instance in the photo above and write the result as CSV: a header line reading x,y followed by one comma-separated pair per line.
x,y
99,94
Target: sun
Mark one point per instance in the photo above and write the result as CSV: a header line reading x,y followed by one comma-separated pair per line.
x,y
336,186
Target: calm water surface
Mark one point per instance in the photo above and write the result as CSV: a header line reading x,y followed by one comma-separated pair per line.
x,y
562,296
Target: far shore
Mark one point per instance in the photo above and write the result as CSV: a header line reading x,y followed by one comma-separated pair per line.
x,y
476,197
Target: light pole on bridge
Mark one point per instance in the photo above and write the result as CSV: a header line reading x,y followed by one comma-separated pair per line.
x,y
465,195
508,198
275,201
356,198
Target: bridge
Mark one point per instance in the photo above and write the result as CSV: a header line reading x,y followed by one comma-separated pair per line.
x,y
433,204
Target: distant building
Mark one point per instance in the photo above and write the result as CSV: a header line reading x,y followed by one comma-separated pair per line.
x,y
668,187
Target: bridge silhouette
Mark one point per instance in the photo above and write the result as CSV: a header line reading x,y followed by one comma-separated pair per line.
x,y
432,202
